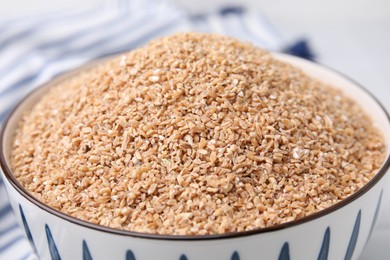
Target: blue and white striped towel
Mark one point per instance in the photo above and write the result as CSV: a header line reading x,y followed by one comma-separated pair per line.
x,y
34,49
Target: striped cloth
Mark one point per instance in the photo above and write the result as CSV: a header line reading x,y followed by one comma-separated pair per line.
x,y
34,49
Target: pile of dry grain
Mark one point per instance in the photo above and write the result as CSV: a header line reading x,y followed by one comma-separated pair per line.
x,y
194,134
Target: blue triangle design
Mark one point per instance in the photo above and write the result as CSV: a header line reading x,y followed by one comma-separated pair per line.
x,y
183,257
27,229
52,245
354,237
285,252
323,255
130,255
86,254
235,256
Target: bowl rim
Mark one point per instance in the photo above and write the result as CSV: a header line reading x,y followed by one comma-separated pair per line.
x,y
23,192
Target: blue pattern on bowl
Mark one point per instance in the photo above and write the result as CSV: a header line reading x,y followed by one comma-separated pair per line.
x,y
86,254
285,252
27,229
235,256
283,255
130,255
354,237
52,245
323,255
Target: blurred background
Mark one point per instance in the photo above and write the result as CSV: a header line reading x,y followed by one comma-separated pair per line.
x,y
351,36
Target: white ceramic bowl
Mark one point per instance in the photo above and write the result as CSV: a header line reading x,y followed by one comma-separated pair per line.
x,y
338,232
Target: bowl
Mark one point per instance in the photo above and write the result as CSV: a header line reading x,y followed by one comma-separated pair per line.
x,y
338,232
